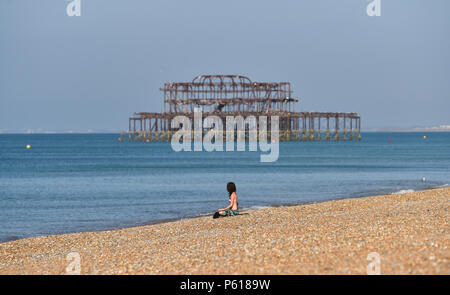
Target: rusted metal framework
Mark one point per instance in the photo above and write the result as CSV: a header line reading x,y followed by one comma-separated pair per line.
x,y
234,95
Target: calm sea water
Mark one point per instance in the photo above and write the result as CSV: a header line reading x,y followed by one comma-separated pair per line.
x,y
86,182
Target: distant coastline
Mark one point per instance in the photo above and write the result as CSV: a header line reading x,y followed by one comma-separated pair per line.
x,y
443,128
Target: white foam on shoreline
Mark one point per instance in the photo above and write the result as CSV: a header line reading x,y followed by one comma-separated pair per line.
x,y
257,207
203,214
403,191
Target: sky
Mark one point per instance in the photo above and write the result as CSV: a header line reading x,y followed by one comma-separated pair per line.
x,y
92,72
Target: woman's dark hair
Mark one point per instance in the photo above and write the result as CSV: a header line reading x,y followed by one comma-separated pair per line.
x,y
231,188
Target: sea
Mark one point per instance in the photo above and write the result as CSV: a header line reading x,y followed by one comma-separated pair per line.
x,y
68,183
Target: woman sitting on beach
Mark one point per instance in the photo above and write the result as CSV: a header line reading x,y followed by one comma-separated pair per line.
x,y
232,208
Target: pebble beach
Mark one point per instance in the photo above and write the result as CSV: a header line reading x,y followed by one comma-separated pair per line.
x,y
409,233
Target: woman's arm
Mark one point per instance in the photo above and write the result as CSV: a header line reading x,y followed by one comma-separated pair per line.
x,y
227,207
232,198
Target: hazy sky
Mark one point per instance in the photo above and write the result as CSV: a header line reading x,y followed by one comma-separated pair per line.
x,y
93,71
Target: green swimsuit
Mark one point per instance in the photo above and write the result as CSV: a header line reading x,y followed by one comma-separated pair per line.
x,y
230,212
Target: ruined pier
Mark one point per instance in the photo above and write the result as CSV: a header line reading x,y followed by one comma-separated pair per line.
x,y
234,95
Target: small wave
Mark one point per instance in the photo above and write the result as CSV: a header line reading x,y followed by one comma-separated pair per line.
x,y
403,191
203,214
444,185
256,207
